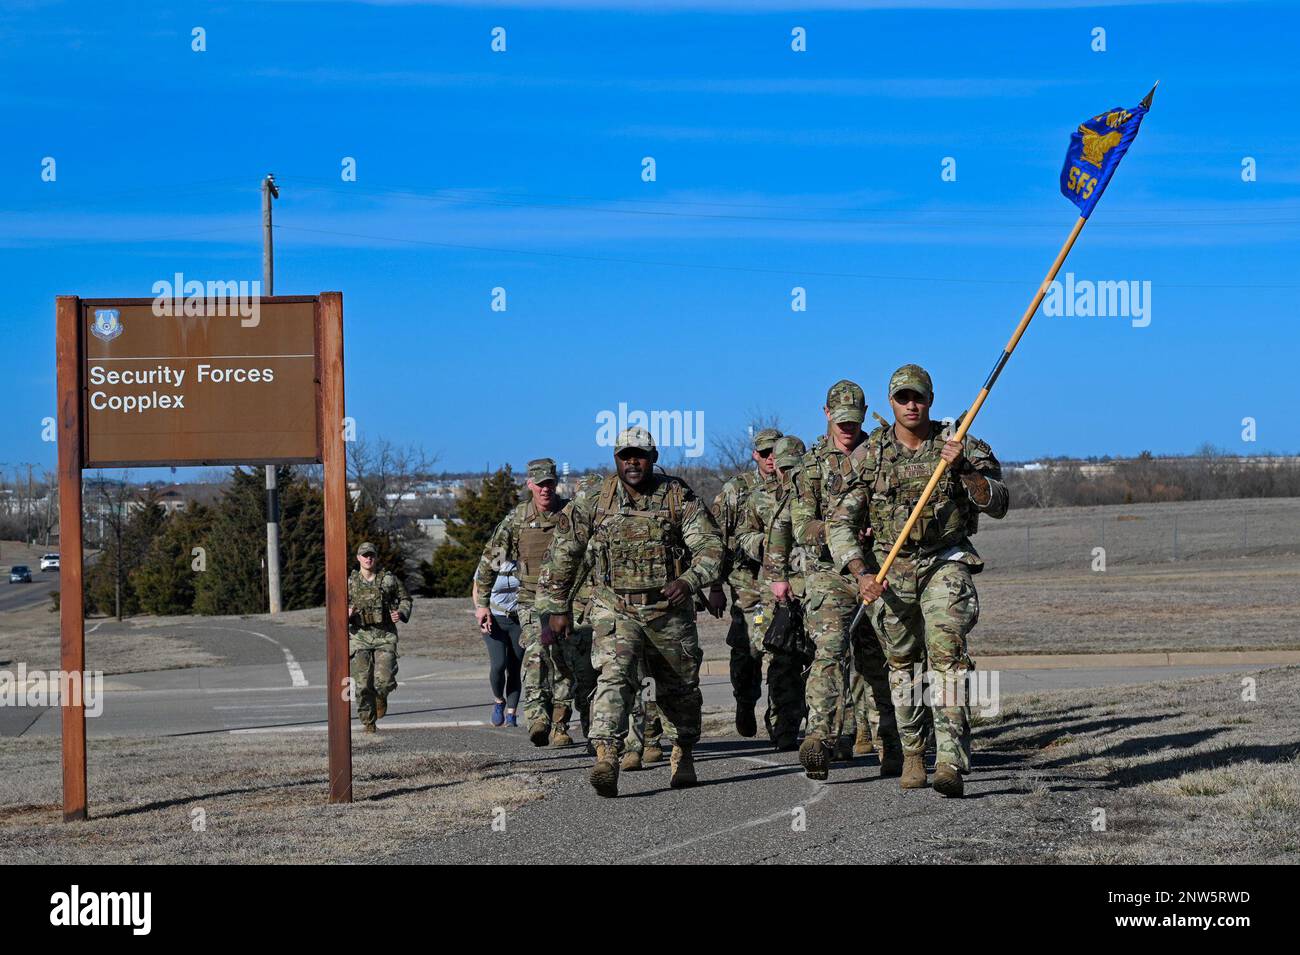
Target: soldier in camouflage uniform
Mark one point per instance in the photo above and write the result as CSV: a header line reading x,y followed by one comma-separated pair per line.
x,y
646,725
642,528
550,669
741,570
785,683
928,603
376,602
832,597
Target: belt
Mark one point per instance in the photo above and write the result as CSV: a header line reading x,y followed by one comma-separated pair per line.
x,y
640,598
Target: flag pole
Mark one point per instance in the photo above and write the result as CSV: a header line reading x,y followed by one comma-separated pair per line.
x,y
984,391
1025,319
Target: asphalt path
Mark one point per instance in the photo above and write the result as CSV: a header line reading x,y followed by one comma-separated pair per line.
x,y
753,804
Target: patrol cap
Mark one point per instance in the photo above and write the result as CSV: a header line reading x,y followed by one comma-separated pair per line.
x,y
541,469
789,451
634,438
912,377
846,402
367,548
766,439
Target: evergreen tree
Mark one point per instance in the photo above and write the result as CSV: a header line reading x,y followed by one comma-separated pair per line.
x,y
451,572
164,582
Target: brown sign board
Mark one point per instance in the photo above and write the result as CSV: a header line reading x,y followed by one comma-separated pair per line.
x,y
199,382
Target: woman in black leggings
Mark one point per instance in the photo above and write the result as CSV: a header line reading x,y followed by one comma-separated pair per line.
x,y
501,633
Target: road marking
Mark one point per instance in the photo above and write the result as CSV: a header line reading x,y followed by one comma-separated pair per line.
x,y
95,627
296,676
322,727
820,789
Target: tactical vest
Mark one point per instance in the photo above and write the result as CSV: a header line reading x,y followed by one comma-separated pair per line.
x,y
948,516
367,597
534,537
826,489
638,550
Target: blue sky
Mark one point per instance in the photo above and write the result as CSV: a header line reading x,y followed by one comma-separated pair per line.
x,y
775,169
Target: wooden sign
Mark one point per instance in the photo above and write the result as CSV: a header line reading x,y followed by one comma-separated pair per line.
x,y
199,382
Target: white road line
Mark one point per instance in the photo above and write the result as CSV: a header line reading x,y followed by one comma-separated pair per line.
x,y
820,789
296,676
322,727
95,627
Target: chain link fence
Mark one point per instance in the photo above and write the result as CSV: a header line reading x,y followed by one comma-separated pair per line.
x,y
1068,537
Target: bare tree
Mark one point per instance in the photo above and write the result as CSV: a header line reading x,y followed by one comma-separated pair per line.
x,y
386,476
733,451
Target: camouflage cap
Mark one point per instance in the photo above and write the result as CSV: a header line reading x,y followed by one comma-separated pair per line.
x,y
541,469
634,438
912,377
846,402
789,451
368,548
765,439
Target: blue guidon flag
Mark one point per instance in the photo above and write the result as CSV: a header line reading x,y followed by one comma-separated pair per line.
x,y
1095,151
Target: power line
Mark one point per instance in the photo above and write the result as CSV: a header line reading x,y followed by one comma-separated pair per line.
x,y
719,268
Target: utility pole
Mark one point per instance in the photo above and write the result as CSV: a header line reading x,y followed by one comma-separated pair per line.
x,y
269,192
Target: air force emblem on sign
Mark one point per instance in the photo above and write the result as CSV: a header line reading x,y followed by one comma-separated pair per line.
x,y
107,324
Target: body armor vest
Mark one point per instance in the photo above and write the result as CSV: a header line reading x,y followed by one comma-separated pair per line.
x,y
946,518
638,550
534,538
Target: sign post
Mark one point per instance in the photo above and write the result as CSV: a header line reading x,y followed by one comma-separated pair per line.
x,y
201,381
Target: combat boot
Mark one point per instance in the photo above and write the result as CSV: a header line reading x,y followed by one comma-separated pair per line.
x,y
862,744
368,728
604,774
913,771
746,725
653,753
891,758
948,781
683,768
631,761
381,707
815,756
560,726
787,743
843,749
539,731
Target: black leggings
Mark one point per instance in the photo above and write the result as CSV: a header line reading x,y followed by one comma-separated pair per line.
x,y
507,657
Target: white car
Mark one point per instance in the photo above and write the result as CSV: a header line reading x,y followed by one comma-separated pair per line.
x,y
50,562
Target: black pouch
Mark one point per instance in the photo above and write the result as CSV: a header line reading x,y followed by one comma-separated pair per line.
x,y
786,633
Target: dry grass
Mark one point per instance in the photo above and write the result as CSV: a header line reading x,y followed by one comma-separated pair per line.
x,y
261,800
1186,772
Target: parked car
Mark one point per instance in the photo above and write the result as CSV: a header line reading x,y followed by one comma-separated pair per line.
x,y
20,574
49,562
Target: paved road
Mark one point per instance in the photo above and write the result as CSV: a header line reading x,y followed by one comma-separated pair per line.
x,y
21,596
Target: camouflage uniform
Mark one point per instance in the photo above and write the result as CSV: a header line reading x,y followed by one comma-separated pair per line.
x,y
741,569
638,543
549,668
832,599
785,683
372,637
930,604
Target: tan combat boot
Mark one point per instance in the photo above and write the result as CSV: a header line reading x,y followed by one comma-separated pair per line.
x,y
604,774
683,768
862,744
381,707
843,749
948,781
653,753
368,728
539,731
631,761
913,771
560,726
815,756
